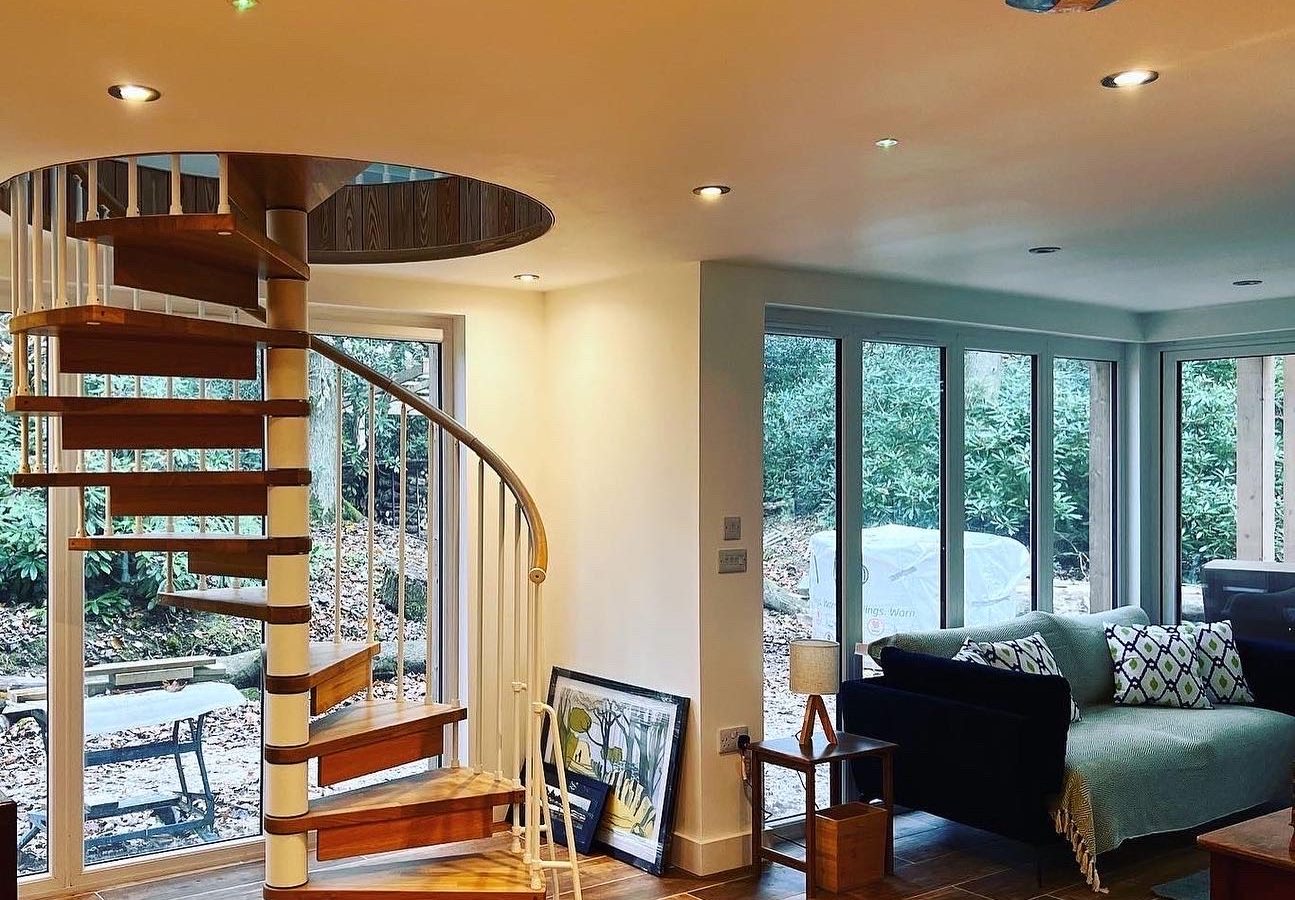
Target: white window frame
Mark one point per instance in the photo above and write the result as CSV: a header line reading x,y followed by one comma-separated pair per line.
x,y
851,331
67,872
1172,355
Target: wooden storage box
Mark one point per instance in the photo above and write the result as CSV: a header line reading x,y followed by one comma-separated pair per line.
x,y
850,846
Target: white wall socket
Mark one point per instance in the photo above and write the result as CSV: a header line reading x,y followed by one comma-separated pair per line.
x,y
732,528
728,738
732,561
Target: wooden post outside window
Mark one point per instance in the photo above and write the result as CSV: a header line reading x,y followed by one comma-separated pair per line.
x,y
1256,459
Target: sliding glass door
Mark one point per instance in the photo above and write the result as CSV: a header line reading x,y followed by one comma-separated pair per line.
x,y
921,476
800,533
1227,478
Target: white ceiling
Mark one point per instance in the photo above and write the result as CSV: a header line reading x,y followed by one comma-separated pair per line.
x,y
610,112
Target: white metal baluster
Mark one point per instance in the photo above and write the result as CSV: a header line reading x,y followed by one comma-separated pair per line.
x,y
38,240
38,374
535,790
177,209
519,687
170,465
132,186
371,437
202,464
58,228
431,673
20,282
92,244
500,594
337,496
400,556
453,505
139,454
477,714
222,183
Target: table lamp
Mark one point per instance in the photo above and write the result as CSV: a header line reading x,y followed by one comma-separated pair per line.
x,y
815,670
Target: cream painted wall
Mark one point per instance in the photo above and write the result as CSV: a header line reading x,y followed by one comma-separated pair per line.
x,y
621,489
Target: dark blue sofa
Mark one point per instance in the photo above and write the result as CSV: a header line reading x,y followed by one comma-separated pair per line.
x,y
988,748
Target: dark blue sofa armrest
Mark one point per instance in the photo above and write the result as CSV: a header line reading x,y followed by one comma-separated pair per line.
x,y
983,766
1269,667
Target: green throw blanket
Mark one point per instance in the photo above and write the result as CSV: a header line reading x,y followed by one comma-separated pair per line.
x,y
1139,770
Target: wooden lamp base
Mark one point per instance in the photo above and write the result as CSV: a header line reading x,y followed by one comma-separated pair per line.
x,y
815,707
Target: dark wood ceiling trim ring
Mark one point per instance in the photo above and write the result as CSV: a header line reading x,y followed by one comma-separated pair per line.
x,y
403,221
410,221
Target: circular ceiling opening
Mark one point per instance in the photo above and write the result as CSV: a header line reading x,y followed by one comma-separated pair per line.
x,y
360,211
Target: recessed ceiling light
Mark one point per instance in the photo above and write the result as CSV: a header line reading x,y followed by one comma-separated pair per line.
x,y
887,142
1130,78
1248,282
527,277
1042,250
134,93
243,5
711,191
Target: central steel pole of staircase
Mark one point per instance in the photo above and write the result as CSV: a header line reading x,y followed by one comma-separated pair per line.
x,y
287,716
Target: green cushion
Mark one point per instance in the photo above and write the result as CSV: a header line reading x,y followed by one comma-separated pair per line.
x,y
1091,674
1077,642
1154,769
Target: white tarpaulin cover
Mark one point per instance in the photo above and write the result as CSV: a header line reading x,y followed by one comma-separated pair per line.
x,y
901,580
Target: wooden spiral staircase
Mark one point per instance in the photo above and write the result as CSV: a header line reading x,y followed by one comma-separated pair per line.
x,y
249,233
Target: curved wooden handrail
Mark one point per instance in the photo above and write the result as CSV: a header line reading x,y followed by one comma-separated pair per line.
x,y
539,541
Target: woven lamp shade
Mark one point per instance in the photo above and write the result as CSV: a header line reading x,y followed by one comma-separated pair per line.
x,y
815,667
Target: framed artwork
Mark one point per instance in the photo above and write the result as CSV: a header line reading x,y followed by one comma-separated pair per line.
x,y
631,739
588,798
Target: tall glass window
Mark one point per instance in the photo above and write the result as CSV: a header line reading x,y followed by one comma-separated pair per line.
x,y
1234,492
800,502
998,465
1083,486
24,647
902,568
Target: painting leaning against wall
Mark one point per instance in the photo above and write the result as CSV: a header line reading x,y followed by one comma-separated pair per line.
x,y
631,738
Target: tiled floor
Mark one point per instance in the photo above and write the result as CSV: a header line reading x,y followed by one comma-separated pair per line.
x,y
935,860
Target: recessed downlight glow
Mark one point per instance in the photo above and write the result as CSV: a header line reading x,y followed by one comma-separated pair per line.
x,y
134,93
243,5
887,142
1040,251
527,277
711,191
1130,78
1248,282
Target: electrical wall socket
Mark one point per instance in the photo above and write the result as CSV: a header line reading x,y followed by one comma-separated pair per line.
x,y
732,528
732,561
728,738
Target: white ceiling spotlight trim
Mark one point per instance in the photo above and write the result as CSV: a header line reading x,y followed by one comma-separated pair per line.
x,y
711,191
129,92
1130,78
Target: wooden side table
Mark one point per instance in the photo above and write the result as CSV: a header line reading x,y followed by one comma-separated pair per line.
x,y
1252,859
788,753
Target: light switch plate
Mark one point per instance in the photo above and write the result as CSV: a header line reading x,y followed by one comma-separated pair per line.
x,y
732,528
731,562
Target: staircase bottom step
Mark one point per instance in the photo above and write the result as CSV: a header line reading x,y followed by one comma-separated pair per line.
x,y
493,875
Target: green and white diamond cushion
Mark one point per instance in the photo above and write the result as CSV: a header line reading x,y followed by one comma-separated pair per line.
x,y
1218,663
1155,666
1031,655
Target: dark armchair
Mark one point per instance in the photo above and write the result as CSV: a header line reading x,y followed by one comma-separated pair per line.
x,y
981,746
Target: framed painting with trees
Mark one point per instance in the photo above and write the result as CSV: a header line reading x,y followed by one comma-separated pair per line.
x,y
630,738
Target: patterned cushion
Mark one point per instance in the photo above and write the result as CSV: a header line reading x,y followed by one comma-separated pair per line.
x,y
1030,655
1218,664
968,653
1155,666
